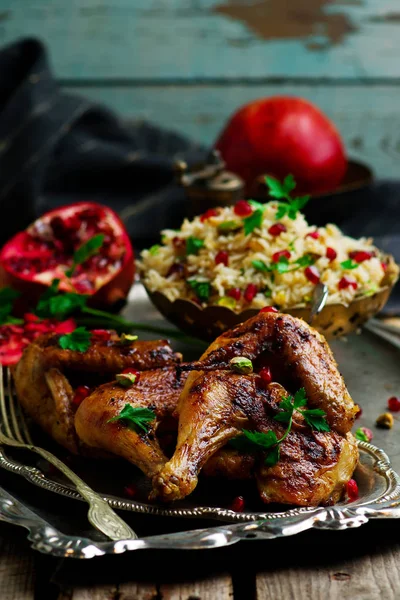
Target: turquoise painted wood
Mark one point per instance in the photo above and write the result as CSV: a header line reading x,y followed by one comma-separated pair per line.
x,y
212,39
368,117
188,64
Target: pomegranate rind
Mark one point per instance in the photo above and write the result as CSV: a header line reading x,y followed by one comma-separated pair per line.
x,y
113,287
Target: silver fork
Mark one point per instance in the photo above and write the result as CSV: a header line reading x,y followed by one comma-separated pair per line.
x,y
14,432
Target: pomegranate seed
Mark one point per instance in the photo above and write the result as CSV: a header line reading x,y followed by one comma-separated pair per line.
x,y
384,266
266,375
67,326
242,208
237,504
234,293
352,490
394,404
222,257
43,327
312,274
277,255
211,212
277,229
176,269
346,282
360,255
179,244
81,393
367,432
30,318
101,334
331,254
267,309
314,235
130,490
250,292
359,412
132,371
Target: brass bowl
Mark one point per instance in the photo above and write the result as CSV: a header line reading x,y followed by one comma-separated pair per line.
x,y
335,320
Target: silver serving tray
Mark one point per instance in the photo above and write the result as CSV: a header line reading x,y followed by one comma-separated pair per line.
x,y
370,368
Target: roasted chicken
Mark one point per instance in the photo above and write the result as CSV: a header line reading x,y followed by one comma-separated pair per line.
x,y
216,405
213,405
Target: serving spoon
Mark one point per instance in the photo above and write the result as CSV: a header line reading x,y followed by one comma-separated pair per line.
x,y
319,298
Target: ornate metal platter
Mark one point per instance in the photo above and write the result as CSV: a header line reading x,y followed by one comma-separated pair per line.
x,y
370,368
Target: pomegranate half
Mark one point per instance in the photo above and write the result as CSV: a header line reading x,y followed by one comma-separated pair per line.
x,y
44,251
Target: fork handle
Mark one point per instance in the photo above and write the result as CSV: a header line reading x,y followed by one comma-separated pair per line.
x,y
100,513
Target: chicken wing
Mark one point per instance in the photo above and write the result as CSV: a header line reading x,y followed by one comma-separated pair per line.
x,y
45,391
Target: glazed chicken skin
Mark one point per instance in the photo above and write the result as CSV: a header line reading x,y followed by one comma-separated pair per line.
x,y
216,405
46,393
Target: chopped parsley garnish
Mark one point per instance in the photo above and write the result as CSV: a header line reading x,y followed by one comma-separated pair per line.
x,y
253,441
154,249
135,418
7,298
86,251
283,265
282,191
78,340
255,219
202,289
349,264
193,245
361,435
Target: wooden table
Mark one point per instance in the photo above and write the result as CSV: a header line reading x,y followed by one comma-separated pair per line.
x,y
360,565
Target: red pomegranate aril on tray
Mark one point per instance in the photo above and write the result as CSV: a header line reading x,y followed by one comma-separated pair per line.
x,y
30,318
250,291
267,309
222,257
81,393
346,282
33,258
242,208
101,334
394,404
360,255
352,490
331,254
238,504
211,212
281,254
312,274
313,234
234,293
276,229
265,374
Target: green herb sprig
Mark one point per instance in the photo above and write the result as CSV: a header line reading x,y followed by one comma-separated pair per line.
x,y
202,289
7,299
252,441
282,191
86,251
78,340
135,418
283,265
349,264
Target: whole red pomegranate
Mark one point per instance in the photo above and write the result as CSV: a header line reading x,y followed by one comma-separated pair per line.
x,y
281,135
44,251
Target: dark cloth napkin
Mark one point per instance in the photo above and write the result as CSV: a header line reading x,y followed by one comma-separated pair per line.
x,y
57,148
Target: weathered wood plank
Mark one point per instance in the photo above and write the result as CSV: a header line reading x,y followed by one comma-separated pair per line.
x,y
367,116
213,588
17,579
223,39
125,591
369,578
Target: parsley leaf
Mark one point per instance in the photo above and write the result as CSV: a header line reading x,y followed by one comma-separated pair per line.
x,y
154,249
202,289
300,398
361,435
59,305
305,261
7,297
253,221
253,440
135,418
260,265
273,456
349,264
78,340
85,251
193,245
282,191
282,266
316,419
